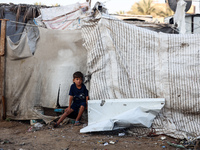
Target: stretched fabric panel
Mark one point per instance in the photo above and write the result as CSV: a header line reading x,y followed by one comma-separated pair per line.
x,y
36,80
65,17
126,61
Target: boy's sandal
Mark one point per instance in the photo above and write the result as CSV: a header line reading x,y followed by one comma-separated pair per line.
x,y
55,125
77,123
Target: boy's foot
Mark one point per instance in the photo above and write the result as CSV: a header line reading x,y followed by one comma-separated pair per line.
x,y
55,125
77,123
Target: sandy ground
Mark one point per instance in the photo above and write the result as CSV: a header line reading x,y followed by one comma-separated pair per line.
x,y
14,135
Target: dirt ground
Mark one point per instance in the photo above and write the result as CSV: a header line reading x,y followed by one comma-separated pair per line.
x,y
14,135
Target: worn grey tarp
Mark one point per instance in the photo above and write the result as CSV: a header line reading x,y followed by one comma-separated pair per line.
x,y
131,62
11,27
35,80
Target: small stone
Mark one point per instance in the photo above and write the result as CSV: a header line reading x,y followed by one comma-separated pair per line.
x,y
105,144
121,134
111,142
22,144
163,138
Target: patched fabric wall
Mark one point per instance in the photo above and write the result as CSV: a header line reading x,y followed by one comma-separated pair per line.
x,y
126,61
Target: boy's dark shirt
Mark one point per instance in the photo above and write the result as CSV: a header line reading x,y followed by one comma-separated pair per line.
x,y
78,94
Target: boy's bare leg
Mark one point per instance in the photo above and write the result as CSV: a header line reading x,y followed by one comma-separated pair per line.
x,y
66,113
81,110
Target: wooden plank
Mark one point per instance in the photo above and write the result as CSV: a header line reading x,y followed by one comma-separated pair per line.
x,y
4,108
1,103
1,110
2,68
3,36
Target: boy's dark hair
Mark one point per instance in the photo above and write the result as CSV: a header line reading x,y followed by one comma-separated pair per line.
x,y
78,74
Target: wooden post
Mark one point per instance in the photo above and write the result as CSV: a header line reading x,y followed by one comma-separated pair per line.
x,y
2,68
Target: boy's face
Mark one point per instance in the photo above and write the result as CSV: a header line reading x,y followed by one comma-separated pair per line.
x,y
78,81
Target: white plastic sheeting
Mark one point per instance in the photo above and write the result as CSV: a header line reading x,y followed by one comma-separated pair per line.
x,y
126,61
121,113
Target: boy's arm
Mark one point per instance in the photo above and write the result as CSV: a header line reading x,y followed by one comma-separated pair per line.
x,y
87,98
70,101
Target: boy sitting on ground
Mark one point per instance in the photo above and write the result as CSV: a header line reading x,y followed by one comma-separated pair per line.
x,y
79,95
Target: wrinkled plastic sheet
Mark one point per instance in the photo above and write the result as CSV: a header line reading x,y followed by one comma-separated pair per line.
x,y
113,114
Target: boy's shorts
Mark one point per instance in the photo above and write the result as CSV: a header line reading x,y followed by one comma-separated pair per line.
x,y
77,104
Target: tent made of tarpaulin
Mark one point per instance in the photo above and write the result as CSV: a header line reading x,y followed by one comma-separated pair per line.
x,y
126,61
40,62
35,80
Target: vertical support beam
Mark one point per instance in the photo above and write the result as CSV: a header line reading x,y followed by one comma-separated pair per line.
x,y
192,24
2,68
3,36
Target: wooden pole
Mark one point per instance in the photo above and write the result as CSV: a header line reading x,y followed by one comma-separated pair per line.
x,y
2,67
4,108
3,36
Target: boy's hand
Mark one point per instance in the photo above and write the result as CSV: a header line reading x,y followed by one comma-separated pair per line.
x,y
68,108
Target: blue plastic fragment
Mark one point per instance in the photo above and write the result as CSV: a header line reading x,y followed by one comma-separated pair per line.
x,y
59,110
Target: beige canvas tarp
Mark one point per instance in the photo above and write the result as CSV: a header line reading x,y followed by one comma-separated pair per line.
x,y
126,61
34,80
